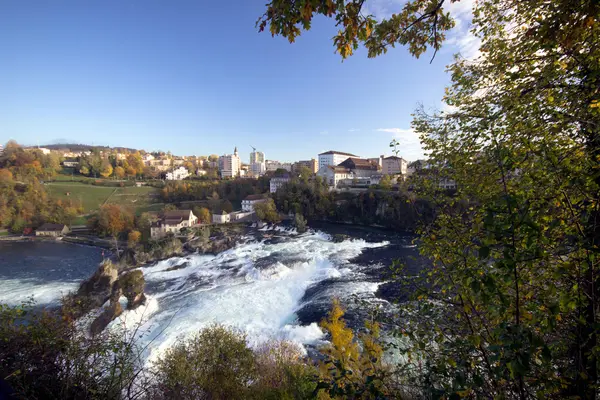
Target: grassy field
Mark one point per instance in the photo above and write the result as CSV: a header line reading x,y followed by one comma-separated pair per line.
x,y
92,197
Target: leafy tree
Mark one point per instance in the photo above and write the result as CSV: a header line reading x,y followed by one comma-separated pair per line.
x,y
133,238
119,172
215,364
514,251
106,169
267,212
114,220
349,371
204,215
300,223
420,24
386,182
5,175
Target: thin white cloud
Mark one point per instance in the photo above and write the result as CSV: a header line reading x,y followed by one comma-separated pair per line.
x,y
409,144
324,133
353,130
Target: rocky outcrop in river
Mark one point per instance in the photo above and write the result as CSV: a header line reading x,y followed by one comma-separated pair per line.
x,y
105,288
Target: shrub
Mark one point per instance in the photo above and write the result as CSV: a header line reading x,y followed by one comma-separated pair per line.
x,y
284,372
214,364
300,223
44,356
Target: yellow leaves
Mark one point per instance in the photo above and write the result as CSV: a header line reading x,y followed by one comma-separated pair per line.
x,y
595,104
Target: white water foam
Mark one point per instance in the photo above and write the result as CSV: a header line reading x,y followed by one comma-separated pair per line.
x,y
16,291
256,287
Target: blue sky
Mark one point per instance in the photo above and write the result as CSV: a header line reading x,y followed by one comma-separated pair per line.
x,y
195,77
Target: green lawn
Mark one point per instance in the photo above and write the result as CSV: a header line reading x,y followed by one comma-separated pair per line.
x,y
92,197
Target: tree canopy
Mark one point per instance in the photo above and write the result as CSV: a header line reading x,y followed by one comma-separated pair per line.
x,y
420,24
509,306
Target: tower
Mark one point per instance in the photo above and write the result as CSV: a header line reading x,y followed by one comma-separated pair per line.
x,y
235,152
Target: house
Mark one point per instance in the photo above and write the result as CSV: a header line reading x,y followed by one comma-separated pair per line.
x,y
359,167
70,162
53,230
257,169
333,158
333,175
276,182
173,221
221,218
361,181
394,165
201,172
249,202
178,174
377,160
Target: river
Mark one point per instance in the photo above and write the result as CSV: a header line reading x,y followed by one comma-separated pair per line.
x,y
280,286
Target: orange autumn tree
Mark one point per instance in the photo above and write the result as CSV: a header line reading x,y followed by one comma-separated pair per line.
x,y
113,220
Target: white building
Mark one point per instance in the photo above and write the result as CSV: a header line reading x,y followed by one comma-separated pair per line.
x,y
333,175
178,174
229,165
221,218
333,158
272,165
249,202
257,169
147,157
394,165
257,157
201,172
70,163
173,221
1,149
277,182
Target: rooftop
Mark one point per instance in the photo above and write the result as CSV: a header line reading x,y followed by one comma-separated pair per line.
x,y
393,158
51,227
358,163
338,152
255,197
177,214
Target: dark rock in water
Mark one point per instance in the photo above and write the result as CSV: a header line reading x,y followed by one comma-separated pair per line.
x,y
221,241
97,289
178,266
339,237
131,285
108,314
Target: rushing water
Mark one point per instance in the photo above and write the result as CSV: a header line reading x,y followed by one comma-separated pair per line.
x,y
44,271
278,286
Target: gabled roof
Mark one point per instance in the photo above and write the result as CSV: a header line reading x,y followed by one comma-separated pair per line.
x,y
338,169
51,227
394,158
177,214
338,152
358,163
255,197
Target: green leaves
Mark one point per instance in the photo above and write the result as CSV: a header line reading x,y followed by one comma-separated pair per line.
x,y
420,24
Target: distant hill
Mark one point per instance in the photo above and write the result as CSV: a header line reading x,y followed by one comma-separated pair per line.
x,y
84,147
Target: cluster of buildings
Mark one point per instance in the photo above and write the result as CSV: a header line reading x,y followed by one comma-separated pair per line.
x,y
174,221
344,169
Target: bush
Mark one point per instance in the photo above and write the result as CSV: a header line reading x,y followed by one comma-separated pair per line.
x,y
44,356
300,223
284,372
214,364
